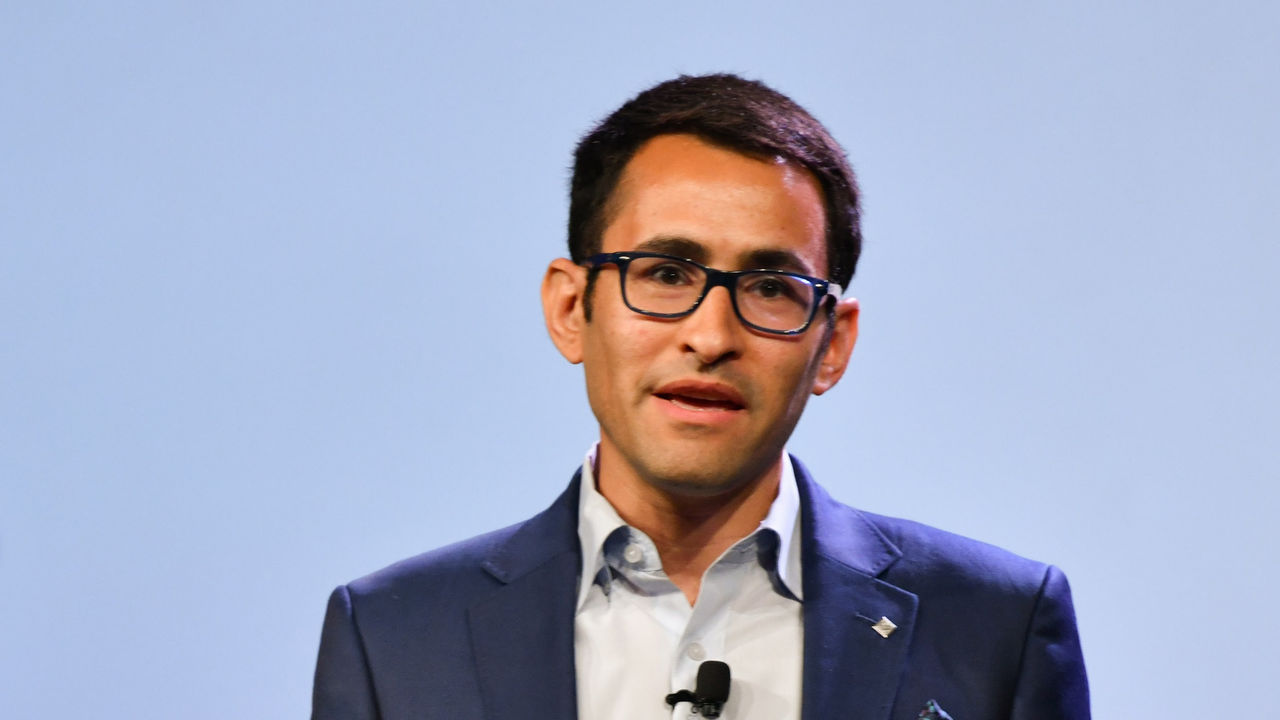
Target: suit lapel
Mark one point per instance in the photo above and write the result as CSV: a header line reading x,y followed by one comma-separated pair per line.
x,y
522,634
850,669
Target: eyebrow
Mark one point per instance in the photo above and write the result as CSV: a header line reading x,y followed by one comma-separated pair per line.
x,y
773,259
675,245
759,259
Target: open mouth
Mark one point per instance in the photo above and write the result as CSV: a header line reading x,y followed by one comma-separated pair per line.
x,y
701,396
693,402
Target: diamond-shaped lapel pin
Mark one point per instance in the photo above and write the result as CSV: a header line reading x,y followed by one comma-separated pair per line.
x,y
884,626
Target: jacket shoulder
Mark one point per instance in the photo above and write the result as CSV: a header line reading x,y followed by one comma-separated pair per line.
x,y
909,554
401,639
453,577
462,562
945,559
1000,625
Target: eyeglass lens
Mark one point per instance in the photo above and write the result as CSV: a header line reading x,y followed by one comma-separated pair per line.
x,y
768,300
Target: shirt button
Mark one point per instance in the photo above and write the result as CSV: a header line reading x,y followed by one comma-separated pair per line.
x,y
633,554
697,652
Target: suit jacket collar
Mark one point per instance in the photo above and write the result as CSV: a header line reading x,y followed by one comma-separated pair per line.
x,y
851,669
523,632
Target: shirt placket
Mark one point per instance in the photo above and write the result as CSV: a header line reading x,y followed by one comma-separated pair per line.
x,y
703,636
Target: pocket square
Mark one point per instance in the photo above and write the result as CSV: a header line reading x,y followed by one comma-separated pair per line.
x,y
932,711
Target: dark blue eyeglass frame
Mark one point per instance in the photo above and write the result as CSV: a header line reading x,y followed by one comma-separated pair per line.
x,y
728,279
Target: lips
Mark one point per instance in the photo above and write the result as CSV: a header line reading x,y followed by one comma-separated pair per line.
x,y
702,396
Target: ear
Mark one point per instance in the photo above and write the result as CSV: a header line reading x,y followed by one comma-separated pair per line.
x,y
562,306
835,358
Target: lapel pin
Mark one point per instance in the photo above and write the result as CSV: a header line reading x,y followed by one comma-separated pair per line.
x,y
931,711
884,626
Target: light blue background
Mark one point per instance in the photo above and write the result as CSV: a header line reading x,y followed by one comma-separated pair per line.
x,y
269,317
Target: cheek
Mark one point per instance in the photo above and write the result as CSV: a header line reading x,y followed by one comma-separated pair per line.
x,y
616,357
626,339
792,375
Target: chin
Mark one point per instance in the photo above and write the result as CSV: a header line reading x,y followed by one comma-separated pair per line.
x,y
700,478
694,486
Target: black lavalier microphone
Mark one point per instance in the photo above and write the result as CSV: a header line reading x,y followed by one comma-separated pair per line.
x,y
711,691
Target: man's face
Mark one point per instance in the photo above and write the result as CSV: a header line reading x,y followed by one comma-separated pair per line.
x,y
702,405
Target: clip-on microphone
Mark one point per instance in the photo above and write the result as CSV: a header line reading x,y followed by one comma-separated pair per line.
x,y
711,691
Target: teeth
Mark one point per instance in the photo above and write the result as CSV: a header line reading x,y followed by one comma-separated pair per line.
x,y
688,406
696,403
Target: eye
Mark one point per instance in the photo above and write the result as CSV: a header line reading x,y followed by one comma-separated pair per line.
x,y
770,288
668,273
775,288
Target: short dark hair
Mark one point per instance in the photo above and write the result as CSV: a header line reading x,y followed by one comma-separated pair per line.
x,y
743,115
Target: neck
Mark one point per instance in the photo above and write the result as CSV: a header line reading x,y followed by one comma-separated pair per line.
x,y
690,530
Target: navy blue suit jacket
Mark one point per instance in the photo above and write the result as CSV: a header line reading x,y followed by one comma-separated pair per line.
x,y
484,629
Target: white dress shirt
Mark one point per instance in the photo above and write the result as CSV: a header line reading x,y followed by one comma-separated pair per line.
x,y
636,638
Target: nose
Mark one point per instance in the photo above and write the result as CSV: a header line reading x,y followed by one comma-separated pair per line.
x,y
712,332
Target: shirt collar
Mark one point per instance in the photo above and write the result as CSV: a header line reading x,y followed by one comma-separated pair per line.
x,y
597,520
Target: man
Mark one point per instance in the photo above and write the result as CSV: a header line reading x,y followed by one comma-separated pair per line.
x,y
713,224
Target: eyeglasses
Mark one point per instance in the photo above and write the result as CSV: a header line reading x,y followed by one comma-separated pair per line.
x,y
665,286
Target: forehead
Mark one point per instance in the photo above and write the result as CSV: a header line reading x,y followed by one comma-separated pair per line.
x,y
725,205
